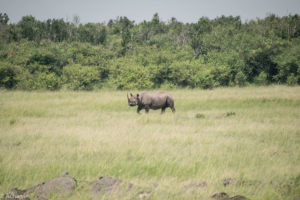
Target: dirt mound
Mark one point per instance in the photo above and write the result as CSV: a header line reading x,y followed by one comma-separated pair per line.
x,y
225,196
238,197
63,184
15,194
220,196
106,184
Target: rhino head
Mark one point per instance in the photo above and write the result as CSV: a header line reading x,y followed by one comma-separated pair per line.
x,y
133,99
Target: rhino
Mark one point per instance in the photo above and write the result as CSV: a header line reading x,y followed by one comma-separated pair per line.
x,y
151,100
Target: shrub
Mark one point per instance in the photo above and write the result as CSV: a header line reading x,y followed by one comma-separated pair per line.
x,y
240,79
221,76
37,81
9,75
261,79
292,79
167,85
178,73
78,77
206,80
126,76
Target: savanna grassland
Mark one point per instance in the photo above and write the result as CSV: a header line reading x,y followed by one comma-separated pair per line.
x,y
251,135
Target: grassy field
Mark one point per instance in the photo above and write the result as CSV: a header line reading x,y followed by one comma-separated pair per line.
x,y
251,135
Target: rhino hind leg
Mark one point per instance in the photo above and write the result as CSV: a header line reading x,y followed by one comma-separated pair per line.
x,y
173,109
147,109
170,103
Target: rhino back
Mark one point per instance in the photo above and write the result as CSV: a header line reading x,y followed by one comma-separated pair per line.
x,y
155,99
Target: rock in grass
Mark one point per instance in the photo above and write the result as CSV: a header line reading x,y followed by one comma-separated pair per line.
x,y
220,196
63,184
224,196
238,197
15,194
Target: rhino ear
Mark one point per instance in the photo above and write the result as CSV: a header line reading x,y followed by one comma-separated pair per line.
x,y
130,94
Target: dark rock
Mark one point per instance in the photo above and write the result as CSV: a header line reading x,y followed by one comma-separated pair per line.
x,y
220,196
238,197
16,194
106,184
64,183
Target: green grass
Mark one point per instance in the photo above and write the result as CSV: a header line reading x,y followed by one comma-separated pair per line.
x,y
92,134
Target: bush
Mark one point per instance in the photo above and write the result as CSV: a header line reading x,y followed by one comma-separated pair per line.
x,y
221,76
49,81
186,74
240,79
167,85
292,79
78,77
131,76
37,81
9,75
261,79
206,80
178,73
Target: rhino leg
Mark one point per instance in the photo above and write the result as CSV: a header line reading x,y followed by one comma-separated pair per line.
x,y
147,108
163,110
139,109
170,103
173,109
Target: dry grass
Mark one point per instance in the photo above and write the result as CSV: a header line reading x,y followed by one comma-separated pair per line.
x,y
90,134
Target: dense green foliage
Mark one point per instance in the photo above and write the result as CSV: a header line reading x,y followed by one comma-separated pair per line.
x,y
121,54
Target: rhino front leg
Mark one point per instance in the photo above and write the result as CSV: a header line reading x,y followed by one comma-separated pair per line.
x,y
163,110
139,109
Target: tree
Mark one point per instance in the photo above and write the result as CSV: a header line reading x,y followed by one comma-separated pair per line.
x,y
29,27
198,30
92,33
4,18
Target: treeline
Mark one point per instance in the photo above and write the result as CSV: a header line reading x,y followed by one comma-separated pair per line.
x,y
122,54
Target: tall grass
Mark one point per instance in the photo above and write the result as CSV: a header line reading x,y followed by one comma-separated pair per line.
x,y
89,134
